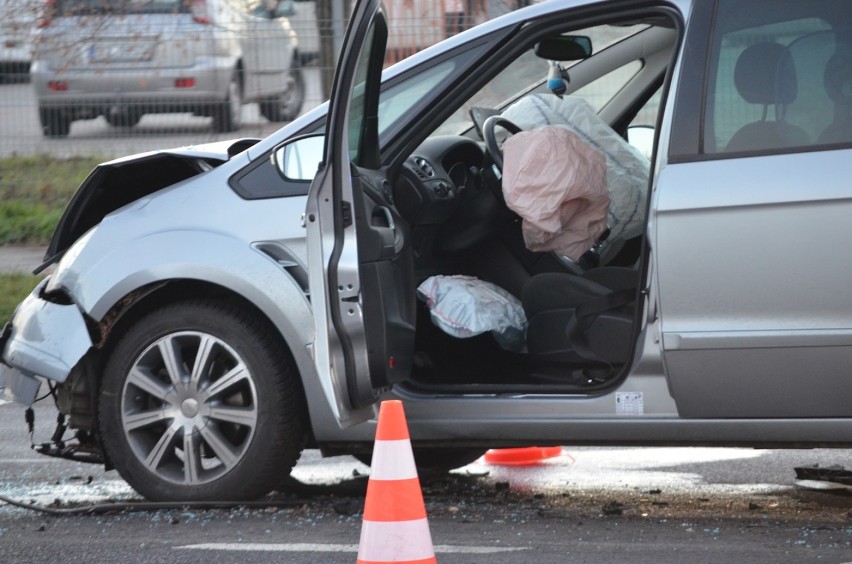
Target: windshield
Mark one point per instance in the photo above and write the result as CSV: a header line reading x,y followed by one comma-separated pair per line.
x,y
528,73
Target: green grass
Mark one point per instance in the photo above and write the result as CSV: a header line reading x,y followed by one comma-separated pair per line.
x,y
13,289
33,193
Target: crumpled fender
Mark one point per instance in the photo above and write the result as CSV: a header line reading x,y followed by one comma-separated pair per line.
x,y
47,339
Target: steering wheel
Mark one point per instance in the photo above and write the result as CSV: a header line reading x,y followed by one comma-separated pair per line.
x,y
495,151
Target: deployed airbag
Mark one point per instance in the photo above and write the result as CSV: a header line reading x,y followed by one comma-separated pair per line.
x,y
465,306
556,182
627,170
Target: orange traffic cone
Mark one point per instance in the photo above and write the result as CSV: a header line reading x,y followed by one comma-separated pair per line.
x,y
524,456
395,528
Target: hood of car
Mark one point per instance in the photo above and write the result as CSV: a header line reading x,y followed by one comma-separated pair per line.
x,y
116,183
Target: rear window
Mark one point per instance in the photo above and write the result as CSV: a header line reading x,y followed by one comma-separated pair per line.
x,y
97,7
780,79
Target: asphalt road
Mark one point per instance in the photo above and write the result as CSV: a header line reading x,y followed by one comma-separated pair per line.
x,y
654,505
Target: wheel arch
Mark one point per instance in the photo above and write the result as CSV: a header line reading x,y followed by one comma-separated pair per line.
x,y
138,303
199,265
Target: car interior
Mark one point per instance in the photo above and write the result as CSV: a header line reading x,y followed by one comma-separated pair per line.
x,y
578,315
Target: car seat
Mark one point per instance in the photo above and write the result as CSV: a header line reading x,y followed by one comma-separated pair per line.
x,y
765,74
581,319
838,85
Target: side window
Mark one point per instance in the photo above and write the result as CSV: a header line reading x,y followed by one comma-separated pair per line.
x,y
768,89
640,131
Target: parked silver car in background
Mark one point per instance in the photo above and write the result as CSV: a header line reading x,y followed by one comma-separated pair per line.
x,y
17,24
214,309
123,59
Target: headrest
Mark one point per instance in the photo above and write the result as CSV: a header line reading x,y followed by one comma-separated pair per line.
x,y
765,75
838,75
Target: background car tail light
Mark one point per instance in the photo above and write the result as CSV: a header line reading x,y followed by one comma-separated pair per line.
x,y
58,85
200,12
185,82
46,16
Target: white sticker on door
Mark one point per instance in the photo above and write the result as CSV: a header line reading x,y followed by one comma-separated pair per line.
x,y
629,403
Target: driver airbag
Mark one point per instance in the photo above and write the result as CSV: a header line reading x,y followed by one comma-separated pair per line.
x,y
557,183
627,171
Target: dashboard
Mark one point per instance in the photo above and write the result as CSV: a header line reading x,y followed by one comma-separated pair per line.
x,y
438,178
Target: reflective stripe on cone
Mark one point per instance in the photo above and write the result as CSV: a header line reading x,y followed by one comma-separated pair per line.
x,y
395,541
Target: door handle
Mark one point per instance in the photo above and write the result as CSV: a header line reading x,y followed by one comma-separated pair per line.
x,y
383,220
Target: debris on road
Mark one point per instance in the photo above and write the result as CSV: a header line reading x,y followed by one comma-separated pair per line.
x,y
818,477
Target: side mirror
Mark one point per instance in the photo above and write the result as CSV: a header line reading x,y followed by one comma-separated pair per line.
x,y
642,137
564,48
298,159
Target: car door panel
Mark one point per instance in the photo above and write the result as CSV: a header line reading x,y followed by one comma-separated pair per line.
x,y
358,257
756,312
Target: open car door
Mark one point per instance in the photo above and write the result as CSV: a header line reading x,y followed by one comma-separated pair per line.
x,y
361,278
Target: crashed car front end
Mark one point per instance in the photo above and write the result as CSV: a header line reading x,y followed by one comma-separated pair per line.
x,y
48,334
45,339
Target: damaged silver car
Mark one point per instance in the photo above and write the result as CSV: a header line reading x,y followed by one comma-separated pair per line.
x,y
471,231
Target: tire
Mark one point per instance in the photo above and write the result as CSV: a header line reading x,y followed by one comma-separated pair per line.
x,y
286,106
434,462
226,116
55,122
123,119
244,409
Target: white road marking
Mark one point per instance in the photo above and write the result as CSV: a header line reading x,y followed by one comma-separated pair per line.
x,y
317,547
32,460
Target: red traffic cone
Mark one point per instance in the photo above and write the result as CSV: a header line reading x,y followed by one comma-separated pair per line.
x,y
395,528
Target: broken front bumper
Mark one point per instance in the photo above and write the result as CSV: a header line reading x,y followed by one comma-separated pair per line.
x,y
46,340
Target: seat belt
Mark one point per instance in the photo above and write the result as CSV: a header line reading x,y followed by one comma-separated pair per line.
x,y
586,313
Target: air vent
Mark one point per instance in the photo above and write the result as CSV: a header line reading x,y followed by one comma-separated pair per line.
x,y
287,261
423,168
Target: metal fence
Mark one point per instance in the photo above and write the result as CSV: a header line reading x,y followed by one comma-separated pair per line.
x,y
112,77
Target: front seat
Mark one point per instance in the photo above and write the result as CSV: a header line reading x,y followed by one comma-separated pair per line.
x,y
765,74
837,80
581,319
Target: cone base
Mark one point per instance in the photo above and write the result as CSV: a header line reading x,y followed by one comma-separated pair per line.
x,y
524,456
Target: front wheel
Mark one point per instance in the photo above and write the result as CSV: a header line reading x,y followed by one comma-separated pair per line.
x,y
227,115
199,403
286,106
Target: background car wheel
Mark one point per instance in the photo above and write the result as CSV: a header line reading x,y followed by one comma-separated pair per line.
x,y
286,106
123,119
55,122
226,116
434,462
198,402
